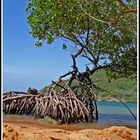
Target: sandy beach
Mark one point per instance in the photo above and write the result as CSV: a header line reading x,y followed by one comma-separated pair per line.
x,y
25,128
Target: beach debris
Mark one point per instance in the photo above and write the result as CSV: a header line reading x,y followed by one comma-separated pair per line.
x,y
33,91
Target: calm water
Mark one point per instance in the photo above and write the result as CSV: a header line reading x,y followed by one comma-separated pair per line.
x,y
116,113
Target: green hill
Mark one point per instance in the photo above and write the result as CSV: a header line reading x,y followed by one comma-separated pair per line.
x,y
124,88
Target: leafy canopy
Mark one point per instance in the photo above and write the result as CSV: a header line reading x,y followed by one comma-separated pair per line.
x,y
103,31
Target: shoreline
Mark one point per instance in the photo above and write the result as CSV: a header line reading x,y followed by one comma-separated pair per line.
x,y
27,128
114,100
50,123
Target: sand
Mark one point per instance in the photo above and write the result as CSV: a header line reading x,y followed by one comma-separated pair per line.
x,y
27,129
23,132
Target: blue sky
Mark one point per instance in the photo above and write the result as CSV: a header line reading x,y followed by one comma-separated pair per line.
x,y
25,65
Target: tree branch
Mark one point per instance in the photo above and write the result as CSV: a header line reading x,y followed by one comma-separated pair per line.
x,y
79,52
130,11
87,38
123,4
100,67
88,58
94,59
65,74
101,21
75,42
81,38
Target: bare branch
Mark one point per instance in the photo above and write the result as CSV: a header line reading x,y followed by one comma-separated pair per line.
x,y
94,59
66,74
88,58
56,83
79,52
76,41
81,38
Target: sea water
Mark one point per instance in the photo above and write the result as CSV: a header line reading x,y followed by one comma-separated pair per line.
x,y
116,113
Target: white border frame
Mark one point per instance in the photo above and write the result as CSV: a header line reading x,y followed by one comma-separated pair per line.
x,y
137,69
1,69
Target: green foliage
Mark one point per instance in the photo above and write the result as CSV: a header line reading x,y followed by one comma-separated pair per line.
x,y
124,88
107,28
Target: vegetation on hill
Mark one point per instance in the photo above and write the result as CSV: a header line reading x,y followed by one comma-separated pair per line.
x,y
123,88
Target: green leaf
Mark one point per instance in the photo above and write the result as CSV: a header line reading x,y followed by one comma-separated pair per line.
x,y
38,44
64,46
